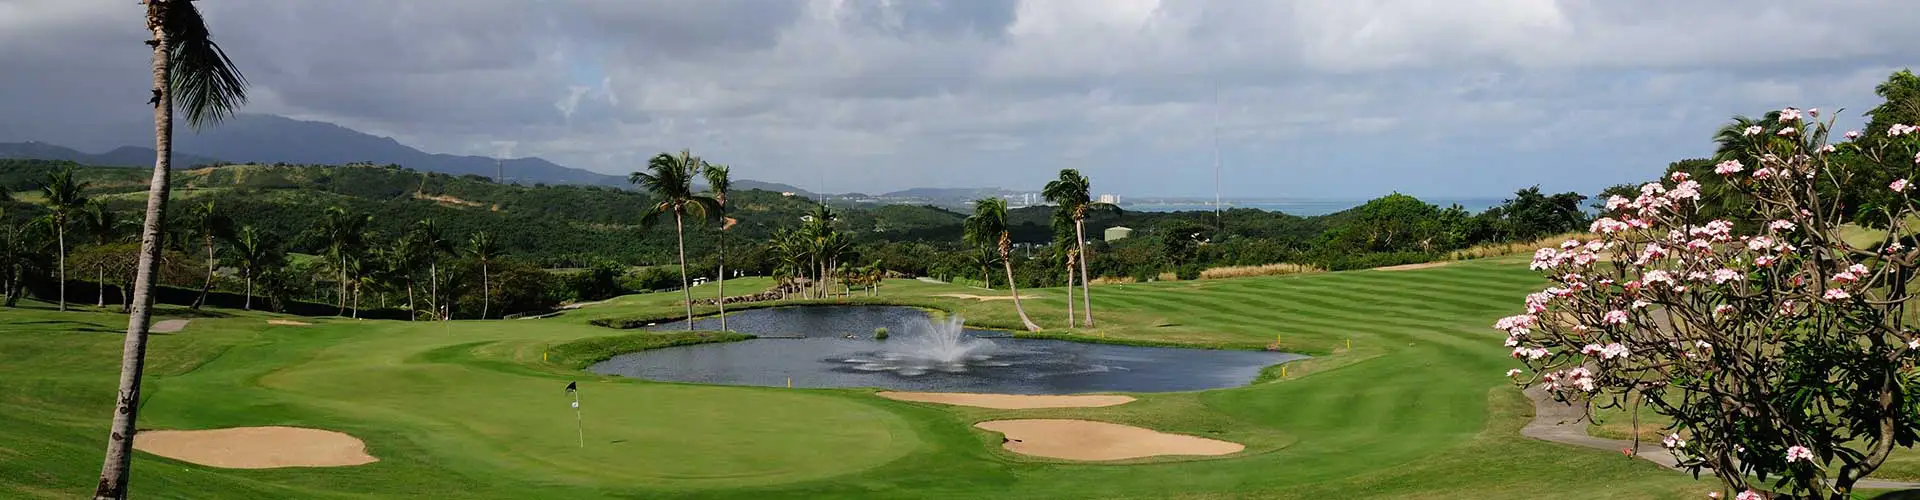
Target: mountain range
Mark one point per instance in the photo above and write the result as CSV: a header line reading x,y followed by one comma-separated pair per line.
x,y
259,138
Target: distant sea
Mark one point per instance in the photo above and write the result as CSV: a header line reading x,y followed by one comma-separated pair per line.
x,y
1300,207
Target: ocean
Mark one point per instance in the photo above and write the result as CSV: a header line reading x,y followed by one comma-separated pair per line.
x,y
1300,207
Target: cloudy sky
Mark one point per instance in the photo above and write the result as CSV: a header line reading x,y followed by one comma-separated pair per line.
x,y
1317,98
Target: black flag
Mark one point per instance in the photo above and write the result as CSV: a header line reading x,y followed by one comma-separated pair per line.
x,y
571,387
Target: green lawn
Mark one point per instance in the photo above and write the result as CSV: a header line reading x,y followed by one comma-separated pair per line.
x,y
1417,408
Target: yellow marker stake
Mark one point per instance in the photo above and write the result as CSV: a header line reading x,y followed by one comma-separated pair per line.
x,y
789,382
1283,371
1349,344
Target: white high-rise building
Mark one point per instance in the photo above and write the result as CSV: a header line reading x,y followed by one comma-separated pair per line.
x,y
1110,199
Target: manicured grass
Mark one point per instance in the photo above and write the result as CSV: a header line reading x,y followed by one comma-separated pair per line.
x,y
1417,407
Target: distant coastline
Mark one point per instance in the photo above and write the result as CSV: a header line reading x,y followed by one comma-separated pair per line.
x,y
1300,207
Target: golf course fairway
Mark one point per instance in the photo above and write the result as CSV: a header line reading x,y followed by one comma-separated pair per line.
x,y
1417,407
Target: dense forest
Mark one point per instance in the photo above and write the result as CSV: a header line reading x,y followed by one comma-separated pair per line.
x,y
320,234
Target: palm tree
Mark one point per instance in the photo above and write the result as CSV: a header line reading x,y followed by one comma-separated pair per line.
x,y
1071,193
985,257
191,72
257,251
669,179
433,244
718,182
23,250
208,223
484,249
344,234
401,260
988,226
104,226
63,199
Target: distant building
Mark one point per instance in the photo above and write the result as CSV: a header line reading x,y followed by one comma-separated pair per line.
x,y
1117,233
788,194
1110,199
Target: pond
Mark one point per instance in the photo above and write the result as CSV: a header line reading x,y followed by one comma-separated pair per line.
x,y
811,346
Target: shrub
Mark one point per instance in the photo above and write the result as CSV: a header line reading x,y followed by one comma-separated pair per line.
x,y
1501,249
1280,269
880,333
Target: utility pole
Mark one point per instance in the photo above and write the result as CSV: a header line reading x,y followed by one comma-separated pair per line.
x,y
1218,223
499,172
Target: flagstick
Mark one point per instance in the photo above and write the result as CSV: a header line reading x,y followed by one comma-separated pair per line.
x,y
577,425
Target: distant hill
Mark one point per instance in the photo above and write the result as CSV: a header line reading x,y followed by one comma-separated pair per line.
x,y
124,156
251,138
946,193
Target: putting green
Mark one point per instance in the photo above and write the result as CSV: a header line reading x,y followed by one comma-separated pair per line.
x,y
1417,407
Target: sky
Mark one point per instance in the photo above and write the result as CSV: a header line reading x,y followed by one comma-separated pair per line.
x,y
1343,99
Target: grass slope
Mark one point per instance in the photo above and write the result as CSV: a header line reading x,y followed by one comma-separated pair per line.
x,y
1417,408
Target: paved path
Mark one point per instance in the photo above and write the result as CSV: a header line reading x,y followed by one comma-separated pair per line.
x,y
1562,423
168,326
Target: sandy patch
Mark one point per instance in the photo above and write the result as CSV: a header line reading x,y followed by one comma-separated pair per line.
x,y
1410,267
168,326
985,297
1089,440
288,322
256,447
1009,401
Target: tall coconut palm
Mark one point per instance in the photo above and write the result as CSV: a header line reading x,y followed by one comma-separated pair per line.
x,y
257,250
402,260
988,226
669,179
433,244
343,234
1071,192
64,200
984,257
484,249
105,227
192,73
208,223
23,250
719,182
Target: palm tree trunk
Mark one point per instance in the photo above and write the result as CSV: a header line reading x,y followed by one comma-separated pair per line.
x,y
61,225
356,301
1086,297
248,306
343,284
118,465
1069,290
208,285
100,288
486,290
1006,259
721,295
685,289
433,288
413,313
986,277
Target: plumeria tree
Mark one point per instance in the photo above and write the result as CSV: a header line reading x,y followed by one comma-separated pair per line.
x,y
1782,355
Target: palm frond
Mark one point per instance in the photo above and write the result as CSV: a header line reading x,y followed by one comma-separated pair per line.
x,y
205,84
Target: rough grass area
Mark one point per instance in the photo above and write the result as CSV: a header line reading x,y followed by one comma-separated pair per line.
x,y
1257,271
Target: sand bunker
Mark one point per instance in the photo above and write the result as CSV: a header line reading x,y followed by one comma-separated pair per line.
x,y
288,322
1009,401
1410,267
256,447
1089,440
168,326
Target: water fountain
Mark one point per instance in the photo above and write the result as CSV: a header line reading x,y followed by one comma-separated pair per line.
x,y
929,346
830,346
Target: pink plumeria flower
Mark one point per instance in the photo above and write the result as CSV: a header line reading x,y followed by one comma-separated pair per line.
x,y
1763,173
1749,495
1752,131
1681,176
1728,167
1836,294
1828,148
1897,130
1813,112
1513,373
1916,158
1615,317
1715,495
1673,441
1789,114
1786,132
1781,225
1799,454
1913,344
1853,134
1898,185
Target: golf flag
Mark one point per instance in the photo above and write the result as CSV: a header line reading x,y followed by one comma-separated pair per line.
x,y
572,386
